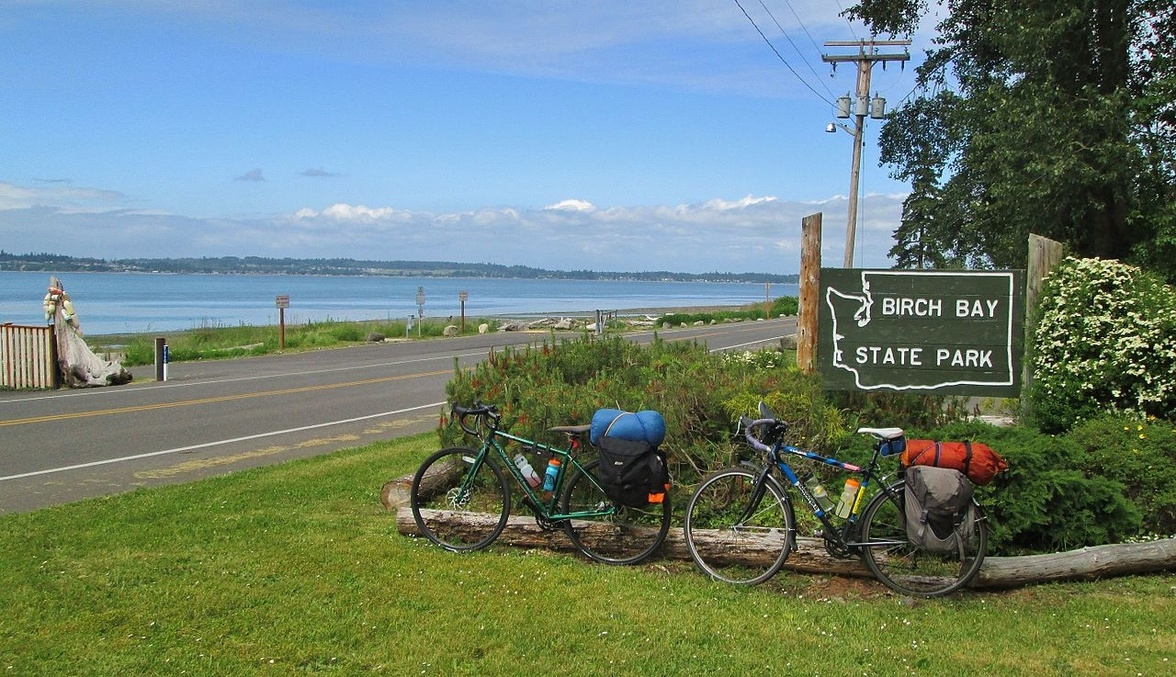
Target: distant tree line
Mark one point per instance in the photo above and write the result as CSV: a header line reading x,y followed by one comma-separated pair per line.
x,y
257,265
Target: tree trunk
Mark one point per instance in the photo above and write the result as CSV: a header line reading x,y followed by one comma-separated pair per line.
x,y
810,557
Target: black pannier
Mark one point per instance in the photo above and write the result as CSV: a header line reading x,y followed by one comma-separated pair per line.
x,y
631,472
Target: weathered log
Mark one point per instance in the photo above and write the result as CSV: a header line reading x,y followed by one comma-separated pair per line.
x,y
810,557
1100,561
395,493
524,532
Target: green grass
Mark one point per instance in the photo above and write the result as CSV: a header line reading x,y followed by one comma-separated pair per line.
x,y
298,569
221,342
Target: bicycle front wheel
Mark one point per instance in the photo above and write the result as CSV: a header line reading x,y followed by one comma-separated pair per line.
x,y
907,569
735,535
624,535
460,501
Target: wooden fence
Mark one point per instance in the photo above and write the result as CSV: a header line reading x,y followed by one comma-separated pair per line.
x,y
28,357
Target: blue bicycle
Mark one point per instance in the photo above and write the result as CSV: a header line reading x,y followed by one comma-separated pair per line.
x,y
740,524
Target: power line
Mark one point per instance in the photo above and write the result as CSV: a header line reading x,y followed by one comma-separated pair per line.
x,y
801,22
789,39
841,14
781,57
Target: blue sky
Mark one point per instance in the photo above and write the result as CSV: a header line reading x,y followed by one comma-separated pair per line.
x,y
609,135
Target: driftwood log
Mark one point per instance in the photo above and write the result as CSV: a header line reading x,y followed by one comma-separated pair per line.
x,y
997,572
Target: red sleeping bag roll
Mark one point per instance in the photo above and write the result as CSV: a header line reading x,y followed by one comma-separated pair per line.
x,y
976,460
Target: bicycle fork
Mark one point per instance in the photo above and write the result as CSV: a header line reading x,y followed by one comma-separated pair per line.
x,y
757,496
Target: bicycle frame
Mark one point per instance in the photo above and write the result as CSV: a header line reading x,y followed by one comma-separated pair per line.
x,y
492,444
845,535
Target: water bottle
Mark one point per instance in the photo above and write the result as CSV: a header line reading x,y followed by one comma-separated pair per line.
x,y
549,476
529,473
848,496
814,486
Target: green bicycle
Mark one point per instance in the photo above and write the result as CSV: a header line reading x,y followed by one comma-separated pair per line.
x,y
461,497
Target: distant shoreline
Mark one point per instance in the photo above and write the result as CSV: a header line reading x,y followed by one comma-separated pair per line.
x,y
253,265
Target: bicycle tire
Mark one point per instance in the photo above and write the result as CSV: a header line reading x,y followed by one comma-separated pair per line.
x,y
475,494
728,549
909,570
628,536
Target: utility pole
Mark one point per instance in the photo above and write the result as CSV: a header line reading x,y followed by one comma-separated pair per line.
x,y
867,55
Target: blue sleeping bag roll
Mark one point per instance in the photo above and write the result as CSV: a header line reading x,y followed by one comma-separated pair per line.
x,y
642,426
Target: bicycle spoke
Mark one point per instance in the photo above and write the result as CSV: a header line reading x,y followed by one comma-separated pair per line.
x,y
458,503
907,569
620,534
724,546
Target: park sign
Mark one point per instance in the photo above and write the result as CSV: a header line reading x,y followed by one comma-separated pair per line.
x,y
945,332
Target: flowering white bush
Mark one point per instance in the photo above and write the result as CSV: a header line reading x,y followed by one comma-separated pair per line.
x,y
763,359
1105,342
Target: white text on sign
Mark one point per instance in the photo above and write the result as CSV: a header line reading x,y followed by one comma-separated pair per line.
x,y
905,306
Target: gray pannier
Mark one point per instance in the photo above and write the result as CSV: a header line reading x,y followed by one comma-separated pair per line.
x,y
940,514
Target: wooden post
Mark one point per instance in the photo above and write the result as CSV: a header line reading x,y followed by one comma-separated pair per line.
x,y
282,302
1044,255
810,291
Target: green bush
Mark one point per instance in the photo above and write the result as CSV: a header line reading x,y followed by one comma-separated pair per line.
x,y
1059,493
1140,455
909,411
1046,502
1105,342
700,394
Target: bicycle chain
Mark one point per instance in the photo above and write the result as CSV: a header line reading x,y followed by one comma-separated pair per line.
x,y
544,523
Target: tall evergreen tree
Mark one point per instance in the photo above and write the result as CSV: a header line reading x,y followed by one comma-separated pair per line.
x,y
1055,117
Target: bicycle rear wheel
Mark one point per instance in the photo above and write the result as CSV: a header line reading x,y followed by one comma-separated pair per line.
x,y
735,536
460,501
909,570
627,536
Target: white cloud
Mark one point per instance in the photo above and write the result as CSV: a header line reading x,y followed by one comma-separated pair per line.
x,y
58,196
749,234
571,206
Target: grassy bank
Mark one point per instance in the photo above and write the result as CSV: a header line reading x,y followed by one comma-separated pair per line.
x,y
296,569
216,342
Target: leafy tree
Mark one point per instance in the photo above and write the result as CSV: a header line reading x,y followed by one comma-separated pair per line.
x,y
1056,117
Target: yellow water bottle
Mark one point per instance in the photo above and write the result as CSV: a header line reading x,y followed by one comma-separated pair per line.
x,y
848,496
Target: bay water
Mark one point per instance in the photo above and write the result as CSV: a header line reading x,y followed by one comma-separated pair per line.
x,y
118,303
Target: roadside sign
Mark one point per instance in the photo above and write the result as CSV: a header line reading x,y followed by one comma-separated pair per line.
x,y
282,301
950,332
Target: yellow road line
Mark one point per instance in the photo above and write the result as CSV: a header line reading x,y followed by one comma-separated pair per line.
x,y
211,400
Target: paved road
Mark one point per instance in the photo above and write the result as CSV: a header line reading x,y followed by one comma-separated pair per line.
x,y
215,417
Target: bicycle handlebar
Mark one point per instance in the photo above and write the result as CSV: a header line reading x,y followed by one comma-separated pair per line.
x,y
480,411
749,425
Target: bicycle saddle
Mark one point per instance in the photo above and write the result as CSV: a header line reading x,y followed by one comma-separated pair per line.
x,y
882,433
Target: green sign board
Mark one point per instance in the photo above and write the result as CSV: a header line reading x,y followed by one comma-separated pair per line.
x,y
949,332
